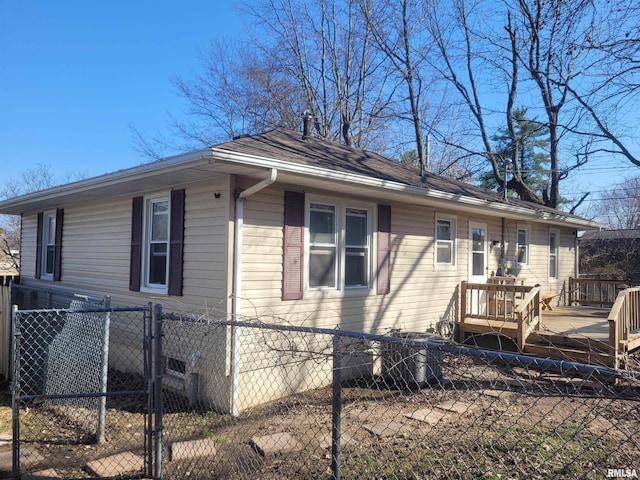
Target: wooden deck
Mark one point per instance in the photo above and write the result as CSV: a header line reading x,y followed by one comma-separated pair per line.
x,y
576,322
589,334
573,333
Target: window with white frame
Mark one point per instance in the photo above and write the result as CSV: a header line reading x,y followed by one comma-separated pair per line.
x,y
356,263
339,253
445,241
553,254
48,244
156,244
522,245
323,245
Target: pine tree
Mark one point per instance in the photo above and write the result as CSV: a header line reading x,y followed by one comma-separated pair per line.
x,y
526,150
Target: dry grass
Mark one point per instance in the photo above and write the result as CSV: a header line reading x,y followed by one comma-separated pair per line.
x,y
5,407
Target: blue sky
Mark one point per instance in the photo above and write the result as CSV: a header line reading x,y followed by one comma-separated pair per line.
x,y
74,75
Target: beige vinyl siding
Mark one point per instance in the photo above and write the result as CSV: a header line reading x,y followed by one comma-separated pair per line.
x,y
206,244
421,294
29,228
95,247
536,272
262,248
95,260
97,241
566,258
417,300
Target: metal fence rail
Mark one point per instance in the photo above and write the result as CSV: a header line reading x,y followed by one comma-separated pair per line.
x,y
32,298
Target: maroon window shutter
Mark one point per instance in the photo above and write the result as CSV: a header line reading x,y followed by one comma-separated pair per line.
x,y
57,252
39,233
135,261
293,245
176,238
384,249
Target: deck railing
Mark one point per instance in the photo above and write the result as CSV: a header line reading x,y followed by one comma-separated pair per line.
x,y
595,291
624,321
492,301
519,304
528,316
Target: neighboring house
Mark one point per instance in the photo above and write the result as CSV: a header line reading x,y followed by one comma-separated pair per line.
x,y
9,253
611,253
290,228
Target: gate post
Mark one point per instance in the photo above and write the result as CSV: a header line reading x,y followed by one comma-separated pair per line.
x,y
336,417
15,393
102,408
157,397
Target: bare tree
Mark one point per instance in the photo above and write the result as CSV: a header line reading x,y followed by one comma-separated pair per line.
x,y
606,85
398,27
390,75
317,57
615,254
471,51
551,56
534,54
33,179
240,89
619,207
326,47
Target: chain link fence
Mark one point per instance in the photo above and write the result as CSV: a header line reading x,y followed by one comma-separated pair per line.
x,y
316,403
79,396
266,399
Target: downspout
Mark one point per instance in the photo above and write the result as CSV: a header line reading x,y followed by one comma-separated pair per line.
x,y
236,304
577,255
502,262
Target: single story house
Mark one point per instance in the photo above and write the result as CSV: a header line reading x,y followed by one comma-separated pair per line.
x,y
282,225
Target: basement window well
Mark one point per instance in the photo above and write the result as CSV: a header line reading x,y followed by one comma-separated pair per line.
x,y
175,368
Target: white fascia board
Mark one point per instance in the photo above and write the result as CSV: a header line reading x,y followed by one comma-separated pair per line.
x,y
165,165
501,209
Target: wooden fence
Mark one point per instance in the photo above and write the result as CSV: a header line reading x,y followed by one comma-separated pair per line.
x,y
5,321
595,291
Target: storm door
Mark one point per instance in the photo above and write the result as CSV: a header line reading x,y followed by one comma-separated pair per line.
x,y
478,263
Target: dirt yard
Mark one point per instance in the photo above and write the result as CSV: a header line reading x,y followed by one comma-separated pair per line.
x,y
478,422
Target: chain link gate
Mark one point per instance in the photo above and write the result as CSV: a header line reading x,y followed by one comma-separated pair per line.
x,y
81,390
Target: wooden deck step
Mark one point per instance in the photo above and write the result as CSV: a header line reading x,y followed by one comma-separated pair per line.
x,y
571,354
478,325
562,341
632,344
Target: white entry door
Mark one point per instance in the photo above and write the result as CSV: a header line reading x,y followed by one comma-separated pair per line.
x,y
477,265
477,252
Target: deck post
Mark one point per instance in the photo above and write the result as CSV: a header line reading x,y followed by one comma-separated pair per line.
x,y
613,342
570,291
463,308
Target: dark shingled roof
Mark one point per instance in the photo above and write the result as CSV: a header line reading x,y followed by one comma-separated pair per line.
x,y
626,234
288,145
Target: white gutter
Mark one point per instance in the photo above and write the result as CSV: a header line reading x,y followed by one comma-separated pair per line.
x,y
471,203
236,307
